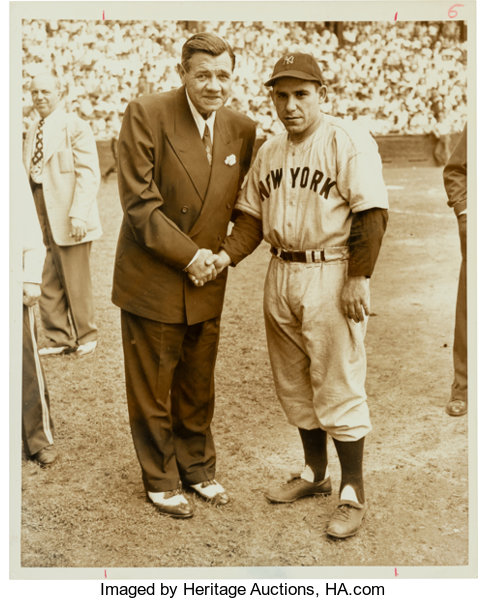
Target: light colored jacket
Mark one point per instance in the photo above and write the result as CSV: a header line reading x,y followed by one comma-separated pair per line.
x,y
70,176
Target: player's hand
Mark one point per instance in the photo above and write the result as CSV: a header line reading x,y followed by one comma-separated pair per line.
x,y
223,261
31,293
355,298
78,229
202,269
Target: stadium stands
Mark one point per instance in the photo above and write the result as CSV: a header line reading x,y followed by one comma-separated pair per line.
x,y
393,78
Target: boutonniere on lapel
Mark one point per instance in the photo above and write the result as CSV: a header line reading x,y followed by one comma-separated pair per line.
x,y
230,160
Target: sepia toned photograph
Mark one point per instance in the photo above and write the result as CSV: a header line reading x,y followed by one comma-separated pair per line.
x,y
244,336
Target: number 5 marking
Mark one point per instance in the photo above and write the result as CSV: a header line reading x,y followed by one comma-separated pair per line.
x,y
453,12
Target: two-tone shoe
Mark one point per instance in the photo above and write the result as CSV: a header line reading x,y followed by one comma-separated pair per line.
x,y
211,491
172,503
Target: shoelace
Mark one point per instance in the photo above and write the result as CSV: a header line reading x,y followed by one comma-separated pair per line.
x,y
342,512
172,493
208,483
294,481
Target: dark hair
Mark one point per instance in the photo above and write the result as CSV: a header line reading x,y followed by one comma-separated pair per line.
x,y
208,43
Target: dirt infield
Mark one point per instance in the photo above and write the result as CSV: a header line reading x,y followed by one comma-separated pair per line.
x,y
89,509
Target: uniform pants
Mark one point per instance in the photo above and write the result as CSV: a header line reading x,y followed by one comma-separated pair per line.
x,y
37,427
317,354
459,386
66,305
169,372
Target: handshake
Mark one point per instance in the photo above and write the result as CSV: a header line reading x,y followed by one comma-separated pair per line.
x,y
207,266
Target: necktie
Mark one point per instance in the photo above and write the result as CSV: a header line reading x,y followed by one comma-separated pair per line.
x,y
36,165
207,144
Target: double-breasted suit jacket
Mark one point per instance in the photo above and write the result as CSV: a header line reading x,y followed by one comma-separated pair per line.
x,y
174,202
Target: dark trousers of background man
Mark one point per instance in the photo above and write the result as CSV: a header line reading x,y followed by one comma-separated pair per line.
x,y
66,305
37,428
459,386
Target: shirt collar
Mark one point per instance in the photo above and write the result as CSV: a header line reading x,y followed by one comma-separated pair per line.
x,y
200,121
51,116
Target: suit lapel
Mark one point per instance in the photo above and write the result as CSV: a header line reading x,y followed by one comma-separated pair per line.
x,y
223,147
223,172
54,133
28,146
188,145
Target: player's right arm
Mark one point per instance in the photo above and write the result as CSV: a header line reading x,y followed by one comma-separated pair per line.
x,y
247,232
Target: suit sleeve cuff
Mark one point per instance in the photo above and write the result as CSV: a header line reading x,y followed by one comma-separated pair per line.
x,y
193,259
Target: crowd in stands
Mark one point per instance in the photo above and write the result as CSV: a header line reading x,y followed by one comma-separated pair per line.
x,y
392,77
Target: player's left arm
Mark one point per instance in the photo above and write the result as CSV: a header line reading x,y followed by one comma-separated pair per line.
x,y
367,230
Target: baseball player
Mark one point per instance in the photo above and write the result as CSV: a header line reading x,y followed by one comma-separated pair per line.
x,y
316,194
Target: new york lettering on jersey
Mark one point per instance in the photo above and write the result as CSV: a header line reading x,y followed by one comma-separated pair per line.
x,y
297,177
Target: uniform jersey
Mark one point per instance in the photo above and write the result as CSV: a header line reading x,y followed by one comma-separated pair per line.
x,y
305,192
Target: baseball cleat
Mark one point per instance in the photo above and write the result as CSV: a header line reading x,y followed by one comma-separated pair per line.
x,y
296,488
346,519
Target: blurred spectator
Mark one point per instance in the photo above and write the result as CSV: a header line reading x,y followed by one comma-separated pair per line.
x,y
399,78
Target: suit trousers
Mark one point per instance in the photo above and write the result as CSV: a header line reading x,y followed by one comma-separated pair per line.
x,y
459,385
66,305
37,427
169,372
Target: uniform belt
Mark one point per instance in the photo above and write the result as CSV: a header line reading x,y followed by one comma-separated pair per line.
x,y
306,256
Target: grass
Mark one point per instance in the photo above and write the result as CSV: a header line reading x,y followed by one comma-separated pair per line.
x,y
89,508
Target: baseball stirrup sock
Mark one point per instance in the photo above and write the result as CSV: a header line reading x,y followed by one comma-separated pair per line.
x,y
314,442
351,458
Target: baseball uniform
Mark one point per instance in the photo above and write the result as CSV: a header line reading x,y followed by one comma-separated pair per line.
x,y
305,195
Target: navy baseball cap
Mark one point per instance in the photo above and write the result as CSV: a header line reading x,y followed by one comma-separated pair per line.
x,y
298,65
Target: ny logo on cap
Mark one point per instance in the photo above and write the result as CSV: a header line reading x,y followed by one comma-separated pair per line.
x,y
289,60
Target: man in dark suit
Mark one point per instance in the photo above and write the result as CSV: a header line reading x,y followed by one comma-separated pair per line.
x,y
182,159
455,182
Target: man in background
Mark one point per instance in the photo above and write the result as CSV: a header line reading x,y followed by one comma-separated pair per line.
x,y
455,182
37,427
61,158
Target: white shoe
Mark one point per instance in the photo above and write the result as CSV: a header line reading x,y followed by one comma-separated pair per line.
x,y
87,348
172,503
53,350
211,491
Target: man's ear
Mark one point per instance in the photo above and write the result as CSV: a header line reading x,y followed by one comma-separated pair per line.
x,y
322,93
181,72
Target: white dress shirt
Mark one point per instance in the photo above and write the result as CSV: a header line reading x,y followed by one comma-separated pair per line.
x,y
201,123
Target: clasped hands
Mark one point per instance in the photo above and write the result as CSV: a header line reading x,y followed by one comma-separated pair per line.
x,y
207,266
